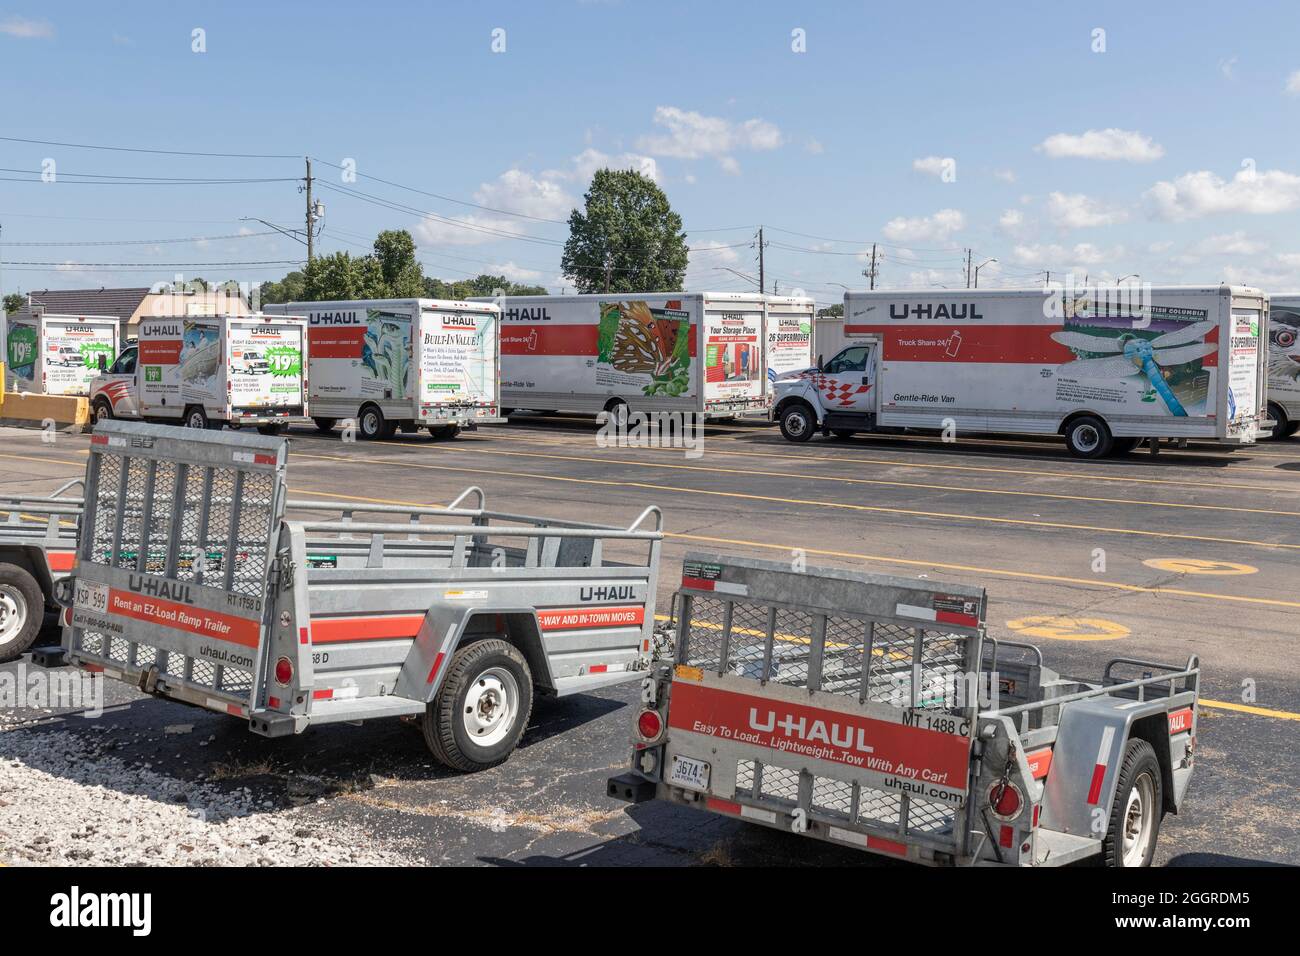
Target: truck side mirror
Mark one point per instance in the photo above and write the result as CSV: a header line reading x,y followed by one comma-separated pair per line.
x,y
103,363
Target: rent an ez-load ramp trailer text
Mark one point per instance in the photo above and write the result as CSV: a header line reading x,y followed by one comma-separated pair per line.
x,y
192,585
875,713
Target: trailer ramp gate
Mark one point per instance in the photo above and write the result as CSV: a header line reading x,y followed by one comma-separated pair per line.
x,y
827,696
174,560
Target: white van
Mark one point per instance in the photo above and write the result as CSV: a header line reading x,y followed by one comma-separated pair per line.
x,y
56,354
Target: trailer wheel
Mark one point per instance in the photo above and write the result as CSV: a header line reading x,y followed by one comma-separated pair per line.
x,y
1088,437
482,708
101,411
798,422
1282,427
325,424
22,607
371,424
1139,805
196,417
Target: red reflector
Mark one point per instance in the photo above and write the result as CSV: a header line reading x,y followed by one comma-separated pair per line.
x,y
283,671
649,725
1005,800
1007,837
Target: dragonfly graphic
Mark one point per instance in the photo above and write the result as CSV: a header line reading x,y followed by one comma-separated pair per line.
x,y
1140,356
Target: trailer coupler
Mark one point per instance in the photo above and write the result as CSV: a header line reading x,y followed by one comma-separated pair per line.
x,y
52,656
631,788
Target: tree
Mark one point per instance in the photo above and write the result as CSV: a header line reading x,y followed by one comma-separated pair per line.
x,y
14,301
478,286
628,239
292,288
403,276
340,276
835,311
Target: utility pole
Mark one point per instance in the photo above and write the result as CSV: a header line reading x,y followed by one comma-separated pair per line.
x,y
761,277
871,272
968,253
310,213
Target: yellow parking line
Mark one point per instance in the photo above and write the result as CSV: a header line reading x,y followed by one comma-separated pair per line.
x,y
835,505
1248,709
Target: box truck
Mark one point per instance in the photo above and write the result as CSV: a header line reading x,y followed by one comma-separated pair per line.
x,y
206,371
697,352
402,363
789,335
56,354
1284,364
1103,369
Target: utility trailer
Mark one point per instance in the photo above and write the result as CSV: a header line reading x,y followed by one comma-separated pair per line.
x,y
38,542
874,712
192,585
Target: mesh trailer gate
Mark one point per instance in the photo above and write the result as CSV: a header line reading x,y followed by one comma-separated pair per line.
x,y
174,559
832,698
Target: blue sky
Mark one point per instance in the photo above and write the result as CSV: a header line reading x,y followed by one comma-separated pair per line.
x,y
928,128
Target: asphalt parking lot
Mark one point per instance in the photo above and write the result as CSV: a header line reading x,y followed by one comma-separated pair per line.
x,y
1193,551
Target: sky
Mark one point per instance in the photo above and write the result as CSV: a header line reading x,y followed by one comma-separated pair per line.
x,y
1094,139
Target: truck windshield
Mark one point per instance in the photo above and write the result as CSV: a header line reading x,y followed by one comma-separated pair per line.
x,y
125,364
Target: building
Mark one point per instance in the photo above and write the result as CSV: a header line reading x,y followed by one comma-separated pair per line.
x,y
130,305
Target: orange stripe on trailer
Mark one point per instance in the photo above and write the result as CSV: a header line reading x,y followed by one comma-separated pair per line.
x,y
886,846
60,560
568,619
433,671
1040,761
335,630
723,806
1180,721
182,617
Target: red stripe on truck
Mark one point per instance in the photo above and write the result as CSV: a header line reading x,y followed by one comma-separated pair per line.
x,y
335,630
336,341
60,560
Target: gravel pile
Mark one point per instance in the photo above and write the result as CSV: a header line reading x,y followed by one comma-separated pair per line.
x,y
66,800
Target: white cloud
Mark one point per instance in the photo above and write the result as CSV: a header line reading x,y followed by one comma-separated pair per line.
x,y
1012,222
466,230
522,192
815,147
1109,144
1059,257
1293,83
1077,211
729,165
934,165
585,164
691,135
25,29
515,273
938,227
1203,193
1230,244
1006,175
704,267
1226,67
1157,248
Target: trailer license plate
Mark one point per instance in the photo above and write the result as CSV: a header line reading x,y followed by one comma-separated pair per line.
x,y
689,772
91,596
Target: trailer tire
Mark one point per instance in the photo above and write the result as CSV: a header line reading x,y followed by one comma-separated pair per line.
x,y
1088,437
798,423
196,417
371,425
1282,427
1135,814
101,411
487,695
325,424
22,609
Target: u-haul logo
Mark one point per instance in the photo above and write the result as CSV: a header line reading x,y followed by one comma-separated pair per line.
x,y
333,318
459,322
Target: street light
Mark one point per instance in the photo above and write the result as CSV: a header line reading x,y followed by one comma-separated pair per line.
x,y
978,268
1119,282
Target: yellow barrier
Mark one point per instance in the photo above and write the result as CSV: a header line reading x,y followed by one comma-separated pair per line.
x,y
20,408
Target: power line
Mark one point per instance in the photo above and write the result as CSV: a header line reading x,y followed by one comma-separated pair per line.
x,y
138,149
60,181
142,242
154,265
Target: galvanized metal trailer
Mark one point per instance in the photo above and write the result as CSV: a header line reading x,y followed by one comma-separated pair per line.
x,y
875,712
38,541
192,584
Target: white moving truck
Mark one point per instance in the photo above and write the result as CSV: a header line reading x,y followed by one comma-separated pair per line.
x,y
402,363
206,371
1284,364
697,352
789,335
56,354
1103,369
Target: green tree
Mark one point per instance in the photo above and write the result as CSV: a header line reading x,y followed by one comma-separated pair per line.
x,y
341,276
627,240
14,301
478,286
403,276
835,311
292,288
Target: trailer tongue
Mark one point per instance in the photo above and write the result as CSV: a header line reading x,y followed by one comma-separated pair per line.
x,y
875,712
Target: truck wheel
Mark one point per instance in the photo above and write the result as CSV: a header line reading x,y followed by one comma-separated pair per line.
x,y
271,429
444,432
101,411
325,424
196,417
1122,446
616,407
22,607
1088,437
1139,805
843,434
1281,424
482,708
370,424
797,422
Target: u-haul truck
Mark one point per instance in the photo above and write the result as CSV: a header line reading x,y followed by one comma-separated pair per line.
x,y
1104,368
789,335
700,352
56,354
1284,364
206,371
402,363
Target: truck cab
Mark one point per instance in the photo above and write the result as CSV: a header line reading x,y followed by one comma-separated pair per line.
x,y
839,396
113,392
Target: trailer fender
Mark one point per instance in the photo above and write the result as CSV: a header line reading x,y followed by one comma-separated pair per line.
x,y
447,627
1086,758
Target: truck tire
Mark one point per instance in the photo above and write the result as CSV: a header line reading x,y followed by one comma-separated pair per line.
x,y
1122,446
616,407
798,422
371,424
1088,437
444,432
325,424
843,434
1281,424
196,417
482,708
1139,805
101,411
22,608
270,429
